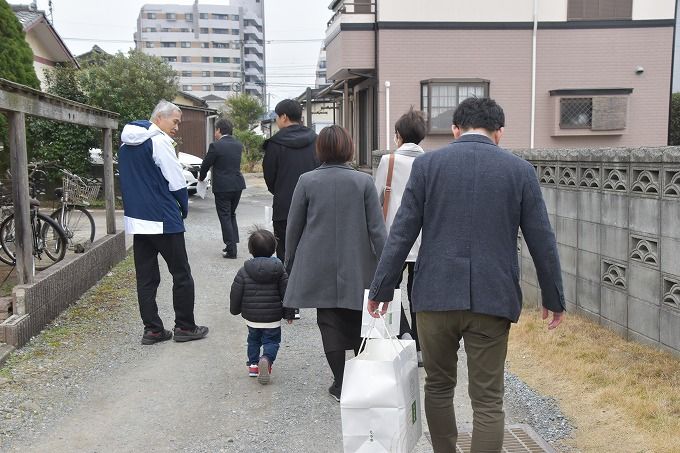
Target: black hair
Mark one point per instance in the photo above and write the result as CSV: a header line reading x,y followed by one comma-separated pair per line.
x,y
411,126
261,243
225,126
479,113
290,108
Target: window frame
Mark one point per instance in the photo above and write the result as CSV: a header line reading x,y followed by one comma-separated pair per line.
x,y
458,83
619,98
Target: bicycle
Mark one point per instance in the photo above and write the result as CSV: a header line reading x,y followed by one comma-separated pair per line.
x,y
73,216
48,238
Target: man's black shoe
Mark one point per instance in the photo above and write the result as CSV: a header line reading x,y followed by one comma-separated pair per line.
x,y
231,256
150,337
335,392
196,333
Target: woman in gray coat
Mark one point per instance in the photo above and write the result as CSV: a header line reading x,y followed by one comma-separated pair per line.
x,y
334,238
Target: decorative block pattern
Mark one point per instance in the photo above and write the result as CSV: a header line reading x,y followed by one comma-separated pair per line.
x,y
616,179
671,293
671,186
568,176
645,182
644,250
590,177
613,274
548,174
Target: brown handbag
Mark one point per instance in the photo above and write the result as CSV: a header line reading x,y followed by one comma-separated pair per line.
x,y
388,187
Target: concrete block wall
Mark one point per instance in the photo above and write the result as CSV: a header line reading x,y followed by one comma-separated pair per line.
x,y
37,304
616,216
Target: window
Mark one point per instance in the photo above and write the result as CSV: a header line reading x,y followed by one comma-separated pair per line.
x,y
186,73
235,45
220,31
205,30
205,59
322,64
220,45
203,15
222,87
185,30
171,16
590,111
600,10
205,87
205,74
168,44
165,30
186,59
235,17
149,44
169,59
221,60
186,44
220,16
440,97
189,17
237,60
150,29
186,87
150,15
236,32
221,74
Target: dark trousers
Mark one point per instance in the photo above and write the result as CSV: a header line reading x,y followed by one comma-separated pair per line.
x,y
226,204
280,234
486,342
173,250
403,325
267,339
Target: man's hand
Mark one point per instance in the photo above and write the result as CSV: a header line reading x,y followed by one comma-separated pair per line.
x,y
556,318
289,321
373,308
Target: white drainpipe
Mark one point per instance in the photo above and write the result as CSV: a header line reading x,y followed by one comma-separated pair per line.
x,y
387,115
533,78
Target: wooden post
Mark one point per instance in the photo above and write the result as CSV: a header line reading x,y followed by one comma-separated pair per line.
x,y
109,194
22,221
345,106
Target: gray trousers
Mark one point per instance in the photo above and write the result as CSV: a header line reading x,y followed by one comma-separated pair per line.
x,y
486,341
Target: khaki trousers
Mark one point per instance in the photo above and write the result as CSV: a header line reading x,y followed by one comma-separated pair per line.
x,y
486,340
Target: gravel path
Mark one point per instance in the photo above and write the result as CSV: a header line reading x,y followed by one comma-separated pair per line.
x,y
87,384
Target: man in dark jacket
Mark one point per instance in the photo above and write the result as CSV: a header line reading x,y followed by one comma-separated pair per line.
x,y
470,198
288,154
224,157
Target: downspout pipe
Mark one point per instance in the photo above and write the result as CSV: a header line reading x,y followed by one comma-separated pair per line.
x,y
533,78
387,115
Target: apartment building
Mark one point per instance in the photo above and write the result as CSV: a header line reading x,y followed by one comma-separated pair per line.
x,y
216,50
600,75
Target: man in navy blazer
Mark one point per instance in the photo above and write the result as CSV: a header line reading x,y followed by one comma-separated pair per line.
x,y
470,198
224,157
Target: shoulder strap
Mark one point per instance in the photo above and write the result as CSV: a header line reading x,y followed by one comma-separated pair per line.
x,y
388,186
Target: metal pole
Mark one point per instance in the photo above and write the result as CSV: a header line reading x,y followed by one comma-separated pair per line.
x,y
309,107
387,115
109,194
22,216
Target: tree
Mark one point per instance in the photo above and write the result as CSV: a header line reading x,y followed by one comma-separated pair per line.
x,y
65,143
674,124
252,148
16,63
243,110
130,85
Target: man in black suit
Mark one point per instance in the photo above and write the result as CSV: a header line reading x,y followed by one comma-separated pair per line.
x,y
224,157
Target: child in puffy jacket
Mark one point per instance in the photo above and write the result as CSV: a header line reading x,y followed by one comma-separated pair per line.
x,y
257,294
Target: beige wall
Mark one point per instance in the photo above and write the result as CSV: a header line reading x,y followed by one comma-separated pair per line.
x,y
504,58
501,10
350,50
653,9
39,50
470,11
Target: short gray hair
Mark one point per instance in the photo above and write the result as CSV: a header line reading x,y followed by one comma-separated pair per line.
x,y
164,109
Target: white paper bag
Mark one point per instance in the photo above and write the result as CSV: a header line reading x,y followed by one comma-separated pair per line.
x,y
268,211
392,319
201,188
380,401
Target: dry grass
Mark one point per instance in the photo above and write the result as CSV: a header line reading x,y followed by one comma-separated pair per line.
x,y
621,396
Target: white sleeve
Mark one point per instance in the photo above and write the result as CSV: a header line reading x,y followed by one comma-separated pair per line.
x,y
381,177
164,156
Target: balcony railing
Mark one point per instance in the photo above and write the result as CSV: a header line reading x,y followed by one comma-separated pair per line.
x,y
341,7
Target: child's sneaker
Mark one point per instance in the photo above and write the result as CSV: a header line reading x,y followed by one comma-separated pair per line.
x,y
252,370
264,371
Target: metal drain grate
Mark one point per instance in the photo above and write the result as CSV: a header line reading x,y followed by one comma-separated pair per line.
x,y
517,439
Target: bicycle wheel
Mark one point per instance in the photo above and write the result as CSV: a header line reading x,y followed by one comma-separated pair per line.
x,y
51,239
7,238
78,224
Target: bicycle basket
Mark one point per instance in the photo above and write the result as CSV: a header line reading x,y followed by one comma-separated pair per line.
x,y
76,192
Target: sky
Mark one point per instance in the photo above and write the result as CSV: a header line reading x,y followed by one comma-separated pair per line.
x,y
294,31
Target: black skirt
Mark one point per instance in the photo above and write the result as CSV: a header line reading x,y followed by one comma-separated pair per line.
x,y
340,328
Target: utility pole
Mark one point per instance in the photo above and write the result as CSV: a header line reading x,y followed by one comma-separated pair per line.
x,y
309,107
